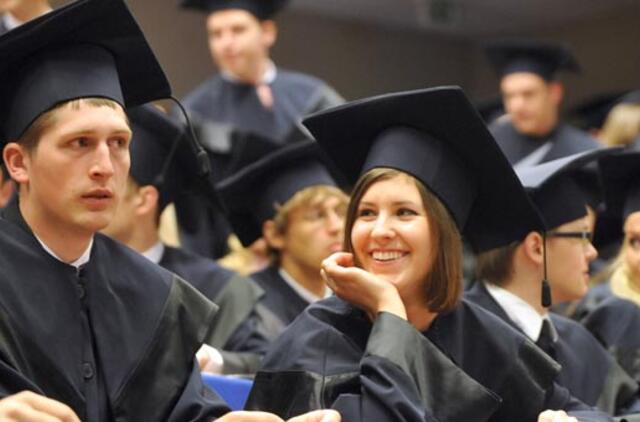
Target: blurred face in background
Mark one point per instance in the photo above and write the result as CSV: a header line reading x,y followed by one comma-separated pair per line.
x,y
531,102
632,246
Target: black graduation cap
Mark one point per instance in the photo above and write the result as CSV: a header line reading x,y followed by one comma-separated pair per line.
x,y
437,136
161,154
490,108
621,180
89,48
562,188
251,195
262,9
592,114
532,56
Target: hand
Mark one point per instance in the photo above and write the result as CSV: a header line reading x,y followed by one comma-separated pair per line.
x,y
315,416
367,291
28,406
555,416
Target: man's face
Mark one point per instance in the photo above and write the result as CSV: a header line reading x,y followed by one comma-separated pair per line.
x,y
77,173
314,231
238,41
568,262
531,102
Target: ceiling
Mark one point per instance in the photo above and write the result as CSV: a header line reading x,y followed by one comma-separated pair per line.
x,y
466,17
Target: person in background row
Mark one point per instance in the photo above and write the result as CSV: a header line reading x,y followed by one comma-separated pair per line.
x,y
249,94
397,343
509,284
533,132
291,199
6,186
163,165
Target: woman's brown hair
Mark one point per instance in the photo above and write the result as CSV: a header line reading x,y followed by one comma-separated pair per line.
x,y
444,281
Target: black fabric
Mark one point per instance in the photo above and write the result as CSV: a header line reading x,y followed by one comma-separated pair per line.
x,y
620,179
566,140
587,368
333,344
116,342
280,300
88,48
237,329
261,9
531,56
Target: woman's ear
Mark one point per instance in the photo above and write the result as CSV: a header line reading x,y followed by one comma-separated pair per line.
x,y
274,238
17,161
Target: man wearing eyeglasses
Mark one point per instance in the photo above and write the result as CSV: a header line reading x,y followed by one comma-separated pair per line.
x,y
510,284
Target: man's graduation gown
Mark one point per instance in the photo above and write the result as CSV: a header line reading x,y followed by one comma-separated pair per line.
x,y
282,304
114,341
237,330
468,366
565,140
588,371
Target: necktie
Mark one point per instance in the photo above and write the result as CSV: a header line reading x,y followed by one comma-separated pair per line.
x,y
545,340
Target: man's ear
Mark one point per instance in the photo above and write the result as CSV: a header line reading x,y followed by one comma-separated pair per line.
x,y
17,162
556,90
269,33
147,200
274,238
533,247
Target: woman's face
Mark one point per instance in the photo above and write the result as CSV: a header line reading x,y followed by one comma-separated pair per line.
x,y
391,236
632,245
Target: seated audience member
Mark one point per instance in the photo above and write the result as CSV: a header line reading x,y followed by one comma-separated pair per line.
x,y
162,166
91,329
397,343
509,284
290,198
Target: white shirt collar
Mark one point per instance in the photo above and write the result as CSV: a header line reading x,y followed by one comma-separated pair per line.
x,y
520,312
301,290
269,76
10,22
154,253
84,258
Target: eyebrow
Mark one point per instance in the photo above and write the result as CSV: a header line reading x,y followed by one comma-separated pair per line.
x,y
396,203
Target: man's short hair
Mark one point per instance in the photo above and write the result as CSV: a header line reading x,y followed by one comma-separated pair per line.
x,y
496,266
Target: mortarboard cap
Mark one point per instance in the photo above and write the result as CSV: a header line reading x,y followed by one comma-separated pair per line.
x,y
261,9
89,48
251,195
593,113
437,136
161,154
490,109
531,56
561,189
620,177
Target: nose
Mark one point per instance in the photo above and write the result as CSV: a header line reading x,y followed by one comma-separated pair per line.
x,y
102,165
382,230
591,252
335,223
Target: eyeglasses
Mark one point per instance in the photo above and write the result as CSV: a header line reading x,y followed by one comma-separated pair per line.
x,y
585,236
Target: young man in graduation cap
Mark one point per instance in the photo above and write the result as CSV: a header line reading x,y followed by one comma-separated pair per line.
x,y
16,12
85,321
163,165
533,132
291,199
510,284
250,94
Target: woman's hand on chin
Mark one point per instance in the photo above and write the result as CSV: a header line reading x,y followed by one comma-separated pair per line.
x,y
367,291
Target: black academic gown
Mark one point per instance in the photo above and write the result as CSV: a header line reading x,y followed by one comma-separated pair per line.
x,y
237,330
114,341
588,371
282,304
566,140
222,111
468,366
615,322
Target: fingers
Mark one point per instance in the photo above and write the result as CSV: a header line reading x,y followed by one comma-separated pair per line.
x,y
243,416
28,406
318,416
555,416
343,259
